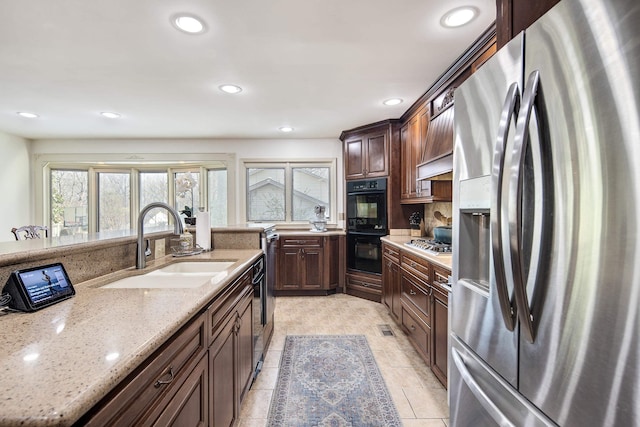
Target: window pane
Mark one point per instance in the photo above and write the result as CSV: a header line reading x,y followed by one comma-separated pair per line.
x,y
69,194
153,188
217,196
265,195
187,194
310,189
114,209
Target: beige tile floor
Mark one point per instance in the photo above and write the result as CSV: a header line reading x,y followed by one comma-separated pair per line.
x,y
419,397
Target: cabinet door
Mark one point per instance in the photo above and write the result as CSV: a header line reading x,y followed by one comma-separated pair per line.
x,y
311,260
405,160
222,376
387,279
354,160
189,407
396,305
245,347
439,323
377,155
288,269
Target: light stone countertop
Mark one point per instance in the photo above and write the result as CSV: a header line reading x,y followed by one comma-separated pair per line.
x,y
399,241
308,232
57,363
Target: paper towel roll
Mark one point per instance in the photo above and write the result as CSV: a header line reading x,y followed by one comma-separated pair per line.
x,y
203,230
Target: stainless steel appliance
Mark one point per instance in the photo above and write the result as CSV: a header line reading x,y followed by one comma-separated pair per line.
x,y
430,246
546,231
366,223
264,295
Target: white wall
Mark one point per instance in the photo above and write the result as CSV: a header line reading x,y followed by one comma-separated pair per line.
x,y
255,149
15,176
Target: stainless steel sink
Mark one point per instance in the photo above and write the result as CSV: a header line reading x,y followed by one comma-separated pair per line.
x,y
177,276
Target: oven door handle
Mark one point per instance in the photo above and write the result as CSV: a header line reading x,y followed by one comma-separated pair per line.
x,y
368,234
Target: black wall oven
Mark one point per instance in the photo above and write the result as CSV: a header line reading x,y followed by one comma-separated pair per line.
x,y
366,223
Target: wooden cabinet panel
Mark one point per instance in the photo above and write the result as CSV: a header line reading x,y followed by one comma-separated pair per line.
x,y
418,331
366,153
244,331
416,265
377,156
513,16
354,158
391,286
312,273
417,293
301,242
222,377
288,269
439,325
190,405
159,379
364,285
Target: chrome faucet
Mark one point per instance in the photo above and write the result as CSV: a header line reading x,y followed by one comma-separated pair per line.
x,y
178,228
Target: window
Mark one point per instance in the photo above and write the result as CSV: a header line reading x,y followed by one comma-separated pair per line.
x,y
114,201
85,197
289,191
69,195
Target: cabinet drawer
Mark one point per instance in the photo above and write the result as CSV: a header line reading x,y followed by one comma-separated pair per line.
x,y
415,292
440,283
415,265
225,303
300,241
391,252
419,332
366,285
160,377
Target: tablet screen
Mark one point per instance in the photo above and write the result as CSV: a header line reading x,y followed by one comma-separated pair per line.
x,y
44,285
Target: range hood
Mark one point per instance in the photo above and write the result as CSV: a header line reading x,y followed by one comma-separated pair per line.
x,y
437,158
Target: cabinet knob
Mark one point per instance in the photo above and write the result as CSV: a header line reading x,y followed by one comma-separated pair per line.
x,y
161,382
412,292
413,327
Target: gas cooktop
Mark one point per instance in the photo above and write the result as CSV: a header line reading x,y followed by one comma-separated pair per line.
x,y
432,247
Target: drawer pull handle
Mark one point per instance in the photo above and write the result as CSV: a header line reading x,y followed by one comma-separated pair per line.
x,y
412,292
413,327
161,382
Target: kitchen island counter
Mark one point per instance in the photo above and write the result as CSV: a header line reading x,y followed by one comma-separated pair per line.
x,y
57,363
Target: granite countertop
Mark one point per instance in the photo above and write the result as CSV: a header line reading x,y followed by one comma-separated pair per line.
x,y
308,232
399,241
59,362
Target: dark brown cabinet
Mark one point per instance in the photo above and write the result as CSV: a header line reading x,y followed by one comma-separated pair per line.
x,y
366,154
199,377
391,280
412,143
364,285
422,304
439,325
307,264
513,16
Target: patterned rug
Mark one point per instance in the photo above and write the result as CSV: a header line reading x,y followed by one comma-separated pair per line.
x,y
330,380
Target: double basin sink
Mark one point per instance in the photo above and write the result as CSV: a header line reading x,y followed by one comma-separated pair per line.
x,y
186,274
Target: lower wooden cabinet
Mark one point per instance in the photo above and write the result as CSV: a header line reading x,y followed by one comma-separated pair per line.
x,y
416,296
307,264
199,377
364,285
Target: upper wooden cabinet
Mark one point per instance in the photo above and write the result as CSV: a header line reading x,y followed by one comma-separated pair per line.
x,y
413,136
513,16
366,153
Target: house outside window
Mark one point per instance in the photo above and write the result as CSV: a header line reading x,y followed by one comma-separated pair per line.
x,y
288,192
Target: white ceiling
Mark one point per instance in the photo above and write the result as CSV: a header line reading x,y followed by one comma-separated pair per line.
x,y
320,66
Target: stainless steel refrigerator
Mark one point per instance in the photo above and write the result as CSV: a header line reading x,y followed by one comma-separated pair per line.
x,y
545,311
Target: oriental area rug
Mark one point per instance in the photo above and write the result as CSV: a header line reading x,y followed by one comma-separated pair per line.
x,y
330,380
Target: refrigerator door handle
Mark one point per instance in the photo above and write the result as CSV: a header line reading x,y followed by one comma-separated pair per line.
x,y
525,314
486,402
509,113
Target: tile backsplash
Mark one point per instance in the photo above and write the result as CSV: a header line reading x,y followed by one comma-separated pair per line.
x,y
435,215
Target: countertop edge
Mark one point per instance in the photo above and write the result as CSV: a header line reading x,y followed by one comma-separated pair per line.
x,y
443,261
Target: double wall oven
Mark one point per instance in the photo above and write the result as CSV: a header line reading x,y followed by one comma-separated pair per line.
x,y
366,223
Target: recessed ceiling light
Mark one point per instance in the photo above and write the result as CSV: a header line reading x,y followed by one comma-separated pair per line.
x,y
230,88
110,115
190,24
27,115
286,129
459,16
392,101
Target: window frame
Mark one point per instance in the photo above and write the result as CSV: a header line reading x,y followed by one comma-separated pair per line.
x,y
289,165
134,164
